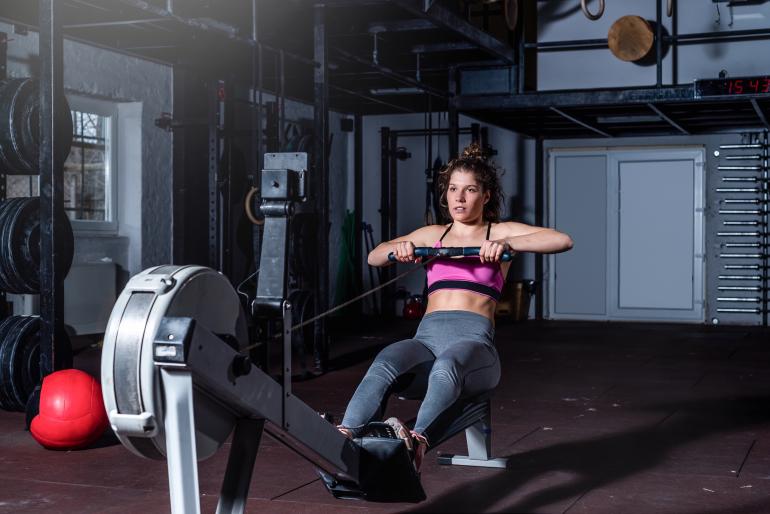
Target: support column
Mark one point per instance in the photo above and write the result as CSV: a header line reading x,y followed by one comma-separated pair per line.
x,y
51,182
321,175
539,221
454,118
358,197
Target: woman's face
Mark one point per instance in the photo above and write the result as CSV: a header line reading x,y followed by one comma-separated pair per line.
x,y
465,196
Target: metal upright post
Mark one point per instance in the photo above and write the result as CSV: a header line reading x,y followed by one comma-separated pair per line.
x,y
51,182
282,101
454,119
393,191
4,306
386,156
674,45
659,43
216,130
256,87
321,176
539,221
358,177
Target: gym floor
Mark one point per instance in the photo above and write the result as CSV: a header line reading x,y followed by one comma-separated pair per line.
x,y
596,417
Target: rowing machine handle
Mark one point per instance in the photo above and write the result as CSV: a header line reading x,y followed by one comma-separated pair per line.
x,y
456,251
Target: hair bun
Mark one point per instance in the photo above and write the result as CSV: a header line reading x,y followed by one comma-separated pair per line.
x,y
474,151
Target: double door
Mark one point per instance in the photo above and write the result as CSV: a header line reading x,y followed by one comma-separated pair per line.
x,y
636,216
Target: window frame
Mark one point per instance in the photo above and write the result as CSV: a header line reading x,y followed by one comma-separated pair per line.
x,y
101,108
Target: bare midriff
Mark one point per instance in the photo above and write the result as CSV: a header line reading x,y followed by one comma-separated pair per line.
x,y
460,300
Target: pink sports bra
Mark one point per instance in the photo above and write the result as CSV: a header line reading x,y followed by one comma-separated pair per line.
x,y
465,273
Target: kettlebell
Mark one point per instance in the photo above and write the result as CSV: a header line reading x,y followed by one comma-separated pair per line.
x,y
413,307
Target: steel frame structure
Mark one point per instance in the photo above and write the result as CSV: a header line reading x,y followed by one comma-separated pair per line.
x,y
675,104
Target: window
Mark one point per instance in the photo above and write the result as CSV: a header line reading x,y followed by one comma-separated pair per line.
x,y
87,168
89,171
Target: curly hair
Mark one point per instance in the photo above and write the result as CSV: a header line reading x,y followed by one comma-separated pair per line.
x,y
474,160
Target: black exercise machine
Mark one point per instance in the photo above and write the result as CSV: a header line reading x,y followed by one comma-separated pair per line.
x,y
177,379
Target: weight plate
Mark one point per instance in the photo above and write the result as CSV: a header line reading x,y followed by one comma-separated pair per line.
x,y
20,245
20,126
9,244
25,232
7,282
15,338
8,330
4,280
26,361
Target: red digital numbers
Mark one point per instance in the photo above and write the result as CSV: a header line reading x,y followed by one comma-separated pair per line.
x,y
748,86
733,86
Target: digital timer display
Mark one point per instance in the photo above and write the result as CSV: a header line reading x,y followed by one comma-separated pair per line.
x,y
733,86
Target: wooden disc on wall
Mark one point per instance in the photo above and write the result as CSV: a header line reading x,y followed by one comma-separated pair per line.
x,y
630,38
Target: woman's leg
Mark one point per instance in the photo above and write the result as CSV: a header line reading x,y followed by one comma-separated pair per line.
x,y
464,369
371,395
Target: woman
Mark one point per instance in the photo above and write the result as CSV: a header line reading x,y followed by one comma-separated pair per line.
x,y
455,337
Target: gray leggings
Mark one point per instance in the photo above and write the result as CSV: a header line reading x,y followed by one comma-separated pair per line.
x,y
452,356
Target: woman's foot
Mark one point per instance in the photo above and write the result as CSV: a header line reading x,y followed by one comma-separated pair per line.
x,y
420,447
402,432
416,443
345,431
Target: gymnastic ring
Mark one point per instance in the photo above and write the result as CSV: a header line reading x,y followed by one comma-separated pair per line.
x,y
247,206
589,15
670,8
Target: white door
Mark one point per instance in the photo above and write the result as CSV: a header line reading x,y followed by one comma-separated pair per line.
x,y
637,220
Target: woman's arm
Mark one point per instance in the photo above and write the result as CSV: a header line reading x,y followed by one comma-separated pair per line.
x,y
519,237
404,246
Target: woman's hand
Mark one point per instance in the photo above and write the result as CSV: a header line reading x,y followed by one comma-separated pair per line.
x,y
492,251
404,251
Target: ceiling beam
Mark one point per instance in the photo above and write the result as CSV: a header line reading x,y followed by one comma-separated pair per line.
x,y
387,72
446,19
376,27
443,47
668,120
113,23
580,122
625,96
369,98
760,112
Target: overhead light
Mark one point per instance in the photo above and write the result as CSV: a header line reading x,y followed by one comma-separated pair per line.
x,y
641,118
396,91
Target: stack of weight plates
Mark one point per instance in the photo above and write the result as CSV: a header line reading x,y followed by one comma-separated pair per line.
x,y
20,359
20,127
20,245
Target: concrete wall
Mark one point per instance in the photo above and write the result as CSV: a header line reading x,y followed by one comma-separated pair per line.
x,y
143,90
563,20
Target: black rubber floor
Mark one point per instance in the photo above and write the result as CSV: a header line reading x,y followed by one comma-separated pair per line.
x,y
596,417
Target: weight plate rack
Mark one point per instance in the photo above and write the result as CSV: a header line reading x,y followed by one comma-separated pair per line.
x,y
20,364
742,216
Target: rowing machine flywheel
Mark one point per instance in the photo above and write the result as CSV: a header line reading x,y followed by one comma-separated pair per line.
x,y
130,380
